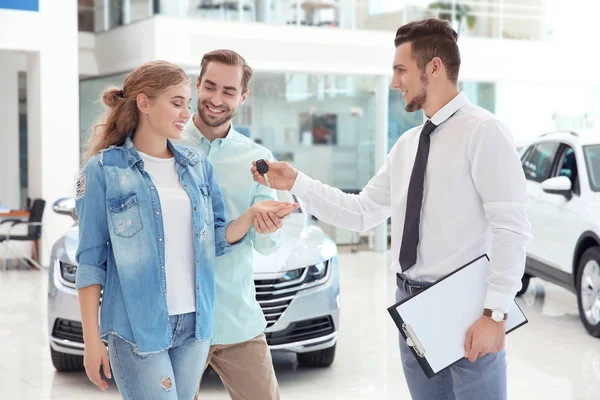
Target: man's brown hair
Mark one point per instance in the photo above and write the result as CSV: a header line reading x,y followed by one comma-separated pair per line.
x,y
432,38
227,57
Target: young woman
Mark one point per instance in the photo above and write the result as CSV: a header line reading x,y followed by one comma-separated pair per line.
x,y
151,222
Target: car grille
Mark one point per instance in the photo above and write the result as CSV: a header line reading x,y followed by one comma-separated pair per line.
x,y
274,296
68,330
273,306
302,330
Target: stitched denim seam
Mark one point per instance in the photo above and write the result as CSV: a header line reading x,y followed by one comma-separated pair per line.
x,y
120,368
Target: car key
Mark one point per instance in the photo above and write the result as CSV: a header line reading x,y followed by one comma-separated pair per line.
x,y
263,168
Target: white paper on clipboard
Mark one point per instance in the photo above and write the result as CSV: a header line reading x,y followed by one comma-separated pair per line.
x,y
440,316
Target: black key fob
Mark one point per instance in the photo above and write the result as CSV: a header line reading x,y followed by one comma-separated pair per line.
x,y
262,167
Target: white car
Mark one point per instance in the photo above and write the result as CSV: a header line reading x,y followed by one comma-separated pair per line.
x,y
563,181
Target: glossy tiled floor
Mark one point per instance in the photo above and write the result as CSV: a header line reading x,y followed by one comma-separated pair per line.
x,y
551,358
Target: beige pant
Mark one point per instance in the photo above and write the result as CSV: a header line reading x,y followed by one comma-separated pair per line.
x,y
246,369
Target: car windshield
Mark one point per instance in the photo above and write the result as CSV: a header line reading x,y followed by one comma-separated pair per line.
x,y
592,160
284,195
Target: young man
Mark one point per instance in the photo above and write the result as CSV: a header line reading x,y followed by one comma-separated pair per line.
x,y
239,352
473,201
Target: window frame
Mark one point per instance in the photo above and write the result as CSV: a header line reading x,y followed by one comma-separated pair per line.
x,y
529,152
561,152
588,166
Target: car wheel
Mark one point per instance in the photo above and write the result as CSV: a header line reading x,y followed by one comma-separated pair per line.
x,y
588,290
64,362
524,284
319,358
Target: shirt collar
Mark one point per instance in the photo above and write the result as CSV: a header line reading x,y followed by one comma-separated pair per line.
x,y
449,109
194,133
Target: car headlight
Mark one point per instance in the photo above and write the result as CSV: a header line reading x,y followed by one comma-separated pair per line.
x,y
316,272
68,272
311,274
291,275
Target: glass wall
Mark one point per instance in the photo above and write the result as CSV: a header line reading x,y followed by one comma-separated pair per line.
x,y
23,146
322,124
499,19
400,120
90,105
530,109
85,15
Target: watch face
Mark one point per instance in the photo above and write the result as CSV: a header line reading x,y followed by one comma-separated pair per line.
x,y
497,315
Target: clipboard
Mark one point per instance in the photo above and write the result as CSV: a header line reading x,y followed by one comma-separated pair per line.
x,y
433,326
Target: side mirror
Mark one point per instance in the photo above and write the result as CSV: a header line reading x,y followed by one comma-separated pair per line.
x,y
559,185
64,206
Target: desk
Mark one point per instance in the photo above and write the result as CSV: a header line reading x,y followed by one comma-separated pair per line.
x,y
15,214
21,214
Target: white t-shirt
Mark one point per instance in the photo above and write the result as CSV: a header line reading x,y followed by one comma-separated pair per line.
x,y
176,209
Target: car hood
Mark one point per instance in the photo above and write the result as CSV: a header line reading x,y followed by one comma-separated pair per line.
x,y
303,243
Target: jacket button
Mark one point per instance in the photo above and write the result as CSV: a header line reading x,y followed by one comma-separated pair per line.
x,y
122,205
157,213
163,267
151,187
160,239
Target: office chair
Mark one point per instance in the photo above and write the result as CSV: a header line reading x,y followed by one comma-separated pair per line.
x,y
34,231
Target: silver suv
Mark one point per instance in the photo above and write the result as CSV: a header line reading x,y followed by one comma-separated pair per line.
x,y
297,287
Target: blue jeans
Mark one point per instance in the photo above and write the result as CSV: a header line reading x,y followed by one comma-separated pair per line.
x,y
172,374
483,379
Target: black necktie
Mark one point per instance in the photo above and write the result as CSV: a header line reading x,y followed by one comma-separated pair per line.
x,y
410,235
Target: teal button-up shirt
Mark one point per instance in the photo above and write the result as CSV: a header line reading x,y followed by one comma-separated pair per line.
x,y
238,316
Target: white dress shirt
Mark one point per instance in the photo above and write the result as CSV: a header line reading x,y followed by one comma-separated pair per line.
x,y
474,200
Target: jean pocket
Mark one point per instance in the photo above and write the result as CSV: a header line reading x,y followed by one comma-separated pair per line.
x,y
209,217
125,215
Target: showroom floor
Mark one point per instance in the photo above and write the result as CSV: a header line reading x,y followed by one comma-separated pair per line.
x,y
550,358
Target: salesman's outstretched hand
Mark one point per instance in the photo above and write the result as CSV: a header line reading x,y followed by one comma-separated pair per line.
x,y
483,337
281,175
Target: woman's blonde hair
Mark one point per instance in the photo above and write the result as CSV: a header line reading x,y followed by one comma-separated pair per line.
x,y
121,116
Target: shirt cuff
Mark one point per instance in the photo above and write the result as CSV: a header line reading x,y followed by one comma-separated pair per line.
x,y
495,300
301,185
222,245
88,275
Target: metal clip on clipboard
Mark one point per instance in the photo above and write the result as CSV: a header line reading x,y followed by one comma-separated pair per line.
x,y
412,340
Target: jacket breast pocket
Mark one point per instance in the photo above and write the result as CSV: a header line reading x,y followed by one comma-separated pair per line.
x,y
125,215
208,209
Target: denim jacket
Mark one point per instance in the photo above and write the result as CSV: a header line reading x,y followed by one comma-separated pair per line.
x,y
121,244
